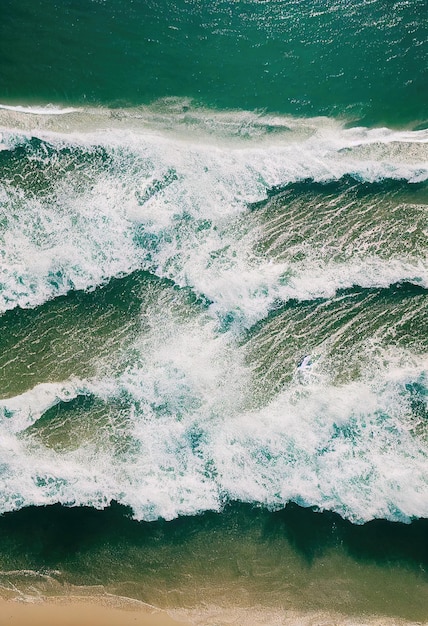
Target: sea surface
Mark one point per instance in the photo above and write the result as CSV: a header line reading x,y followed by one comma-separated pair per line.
x,y
213,306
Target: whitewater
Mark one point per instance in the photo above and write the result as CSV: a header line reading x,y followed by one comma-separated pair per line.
x,y
203,307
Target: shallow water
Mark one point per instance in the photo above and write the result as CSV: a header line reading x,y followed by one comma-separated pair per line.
x,y
215,567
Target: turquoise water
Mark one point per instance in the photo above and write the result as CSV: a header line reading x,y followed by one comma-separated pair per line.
x,y
360,60
213,306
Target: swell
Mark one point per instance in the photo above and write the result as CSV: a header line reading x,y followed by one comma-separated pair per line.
x,y
310,532
360,187
343,335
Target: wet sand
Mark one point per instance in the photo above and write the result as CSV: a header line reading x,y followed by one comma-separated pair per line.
x,y
81,612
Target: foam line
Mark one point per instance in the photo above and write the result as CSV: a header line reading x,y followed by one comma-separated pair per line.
x,y
45,110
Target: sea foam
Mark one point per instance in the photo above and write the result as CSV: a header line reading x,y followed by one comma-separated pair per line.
x,y
187,419
193,445
142,193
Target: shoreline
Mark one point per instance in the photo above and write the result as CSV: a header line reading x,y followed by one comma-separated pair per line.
x,y
118,611
246,567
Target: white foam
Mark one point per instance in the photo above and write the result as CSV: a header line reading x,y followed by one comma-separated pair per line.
x,y
161,476
335,448
53,246
358,136
44,110
20,412
176,206
82,233
196,441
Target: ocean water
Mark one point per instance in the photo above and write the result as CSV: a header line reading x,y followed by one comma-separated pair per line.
x,y
213,306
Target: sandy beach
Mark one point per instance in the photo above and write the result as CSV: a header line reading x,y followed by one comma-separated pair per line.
x,y
81,612
114,611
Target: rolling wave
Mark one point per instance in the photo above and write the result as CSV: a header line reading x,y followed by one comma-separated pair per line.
x,y
159,191
200,307
323,404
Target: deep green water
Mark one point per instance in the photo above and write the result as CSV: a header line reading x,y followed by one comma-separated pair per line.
x,y
361,60
213,305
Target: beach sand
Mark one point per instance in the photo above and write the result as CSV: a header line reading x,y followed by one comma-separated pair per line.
x,y
81,612
111,611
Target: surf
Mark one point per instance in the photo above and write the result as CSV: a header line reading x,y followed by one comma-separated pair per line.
x,y
166,270
159,191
